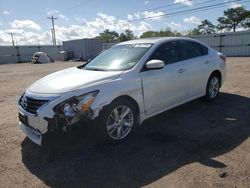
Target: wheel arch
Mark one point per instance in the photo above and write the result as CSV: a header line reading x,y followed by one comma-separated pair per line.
x,y
133,101
129,98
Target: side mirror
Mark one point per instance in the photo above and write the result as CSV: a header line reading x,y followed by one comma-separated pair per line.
x,y
155,64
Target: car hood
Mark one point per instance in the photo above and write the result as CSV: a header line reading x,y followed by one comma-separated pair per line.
x,y
70,79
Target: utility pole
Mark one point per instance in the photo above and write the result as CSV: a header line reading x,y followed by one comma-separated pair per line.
x,y
53,29
52,35
12,39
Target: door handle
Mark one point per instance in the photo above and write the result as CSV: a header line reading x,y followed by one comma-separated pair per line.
x,y
181,70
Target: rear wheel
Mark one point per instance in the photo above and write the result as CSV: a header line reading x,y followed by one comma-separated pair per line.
x,y
213,87
117,121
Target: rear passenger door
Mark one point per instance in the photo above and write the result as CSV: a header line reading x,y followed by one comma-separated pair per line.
x,y
196,60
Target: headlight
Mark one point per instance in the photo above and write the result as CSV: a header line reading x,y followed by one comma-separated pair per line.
x,y
76,104
84,102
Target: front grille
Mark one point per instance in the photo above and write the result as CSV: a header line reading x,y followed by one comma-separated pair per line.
x,y
31,105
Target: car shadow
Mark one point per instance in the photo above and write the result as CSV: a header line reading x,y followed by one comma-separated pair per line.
x,y
194,132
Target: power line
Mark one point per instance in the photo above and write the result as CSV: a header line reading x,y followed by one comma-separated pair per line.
x,y
174,4
198,9
66,9
53,32
243,2
184,11
178,3
193,10
185,6
168,5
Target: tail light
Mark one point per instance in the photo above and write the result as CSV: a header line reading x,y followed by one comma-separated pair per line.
x,y
222,57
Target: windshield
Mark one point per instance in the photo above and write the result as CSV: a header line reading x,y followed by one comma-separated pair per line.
x,y
119,57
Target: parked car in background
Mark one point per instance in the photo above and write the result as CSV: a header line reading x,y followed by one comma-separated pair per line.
x,y
121,87
41,58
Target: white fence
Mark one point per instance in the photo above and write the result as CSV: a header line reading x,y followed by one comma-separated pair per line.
x,y
18,54
231,44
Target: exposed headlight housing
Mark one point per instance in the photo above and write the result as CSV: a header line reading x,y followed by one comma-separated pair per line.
x,y
84,102
76,104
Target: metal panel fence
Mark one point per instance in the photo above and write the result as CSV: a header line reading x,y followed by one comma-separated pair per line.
x,y
83,48
231,44
18,54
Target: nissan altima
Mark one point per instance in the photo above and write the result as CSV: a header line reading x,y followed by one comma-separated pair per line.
x,y
120,88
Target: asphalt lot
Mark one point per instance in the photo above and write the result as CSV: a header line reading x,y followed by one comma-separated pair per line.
x,y
198,144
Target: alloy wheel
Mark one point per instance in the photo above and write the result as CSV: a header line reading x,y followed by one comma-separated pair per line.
x,y
120,122
213,87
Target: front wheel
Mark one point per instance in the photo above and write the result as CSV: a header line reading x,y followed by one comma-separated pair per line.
x,y
213,87
117,121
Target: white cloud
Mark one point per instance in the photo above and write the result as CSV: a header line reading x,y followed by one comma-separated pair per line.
x,y
4,38
234,5
192,20
146,2
22,37
184,2
130,17
6,12
152,15
106,17
89,29
80,19
16,31
136,15
94,27
52,12
62,16
174,25
25,24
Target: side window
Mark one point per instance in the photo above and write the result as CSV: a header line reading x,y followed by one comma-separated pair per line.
x,y
190,49
204,49
167,52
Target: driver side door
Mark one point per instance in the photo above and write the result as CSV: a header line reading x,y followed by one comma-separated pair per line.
x,y
164,88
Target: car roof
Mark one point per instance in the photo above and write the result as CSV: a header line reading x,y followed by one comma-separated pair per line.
x,y
154,40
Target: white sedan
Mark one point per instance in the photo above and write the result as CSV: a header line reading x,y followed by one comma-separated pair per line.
x,y
122,87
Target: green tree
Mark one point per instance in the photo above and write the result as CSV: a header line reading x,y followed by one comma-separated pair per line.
x,y
233,18
193,32
127,35
162,33
148,34
246,22
206,27
109,36
166,33
222,24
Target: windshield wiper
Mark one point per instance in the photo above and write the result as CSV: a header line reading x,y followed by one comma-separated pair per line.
x,y
95,69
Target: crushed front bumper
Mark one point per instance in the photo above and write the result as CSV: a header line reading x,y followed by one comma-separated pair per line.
x,y
31,133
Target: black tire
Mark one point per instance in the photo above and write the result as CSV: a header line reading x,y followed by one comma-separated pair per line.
x,y
213,87
100,125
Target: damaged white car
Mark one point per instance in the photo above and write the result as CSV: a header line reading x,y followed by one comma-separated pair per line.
x,y
122,87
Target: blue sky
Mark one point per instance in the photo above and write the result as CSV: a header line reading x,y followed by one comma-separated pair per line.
x,y
86,18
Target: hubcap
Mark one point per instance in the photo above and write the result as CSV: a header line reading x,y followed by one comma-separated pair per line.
x,y
120,122
214,87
